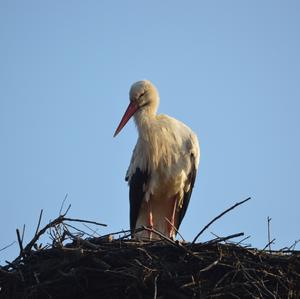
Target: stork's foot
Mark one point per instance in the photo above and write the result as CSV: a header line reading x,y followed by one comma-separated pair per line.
x,y
171,219
150,219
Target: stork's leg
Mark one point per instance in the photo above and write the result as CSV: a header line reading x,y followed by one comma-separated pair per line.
x,y
171,225
150,218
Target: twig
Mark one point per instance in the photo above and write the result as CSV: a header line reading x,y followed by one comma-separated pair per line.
x,y
19,241
210,266
219,216
39,222
63,203
23,233
129,234
56,221
67,210
7,246
268,245
293,246
176,230
222,239
79,233
240,242
116,233
82,241
11,265
152,230
83,221
55,236
175,244
269,233
94,231
155,287
60,219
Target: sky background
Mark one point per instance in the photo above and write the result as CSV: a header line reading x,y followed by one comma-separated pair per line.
x,y
228,69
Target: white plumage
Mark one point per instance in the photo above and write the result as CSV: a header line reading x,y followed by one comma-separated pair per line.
x,y
163,166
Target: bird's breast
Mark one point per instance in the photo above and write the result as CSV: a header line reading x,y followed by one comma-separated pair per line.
x,y
164,151
163,186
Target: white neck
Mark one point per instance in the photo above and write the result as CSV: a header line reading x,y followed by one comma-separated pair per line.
x,y
144,119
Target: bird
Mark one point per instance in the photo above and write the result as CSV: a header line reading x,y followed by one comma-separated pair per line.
x,y
163,166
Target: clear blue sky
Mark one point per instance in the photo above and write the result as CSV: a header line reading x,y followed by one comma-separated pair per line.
x,y
228,69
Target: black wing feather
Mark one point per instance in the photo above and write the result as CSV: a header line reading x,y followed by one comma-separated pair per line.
x,y
187,195
136,195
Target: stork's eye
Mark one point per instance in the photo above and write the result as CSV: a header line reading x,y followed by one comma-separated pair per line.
x,y
143,101
142,94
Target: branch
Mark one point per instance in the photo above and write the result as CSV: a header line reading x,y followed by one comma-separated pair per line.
x,y
222,239
59,220
269,233
83,221
39,222
20,241
7,246
219,216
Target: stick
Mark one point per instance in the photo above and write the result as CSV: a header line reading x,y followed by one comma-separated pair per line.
x,y
63,203
80,233
172,242
269,234
130,234
155,287
5,247
65,213
56,221
222,239
219,216
19,241
60,219
94,231
84,221
268,245
243,240
39,223
176,230
292,247
152,230
23,233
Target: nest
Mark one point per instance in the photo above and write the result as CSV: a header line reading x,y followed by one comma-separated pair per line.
x,y
77,266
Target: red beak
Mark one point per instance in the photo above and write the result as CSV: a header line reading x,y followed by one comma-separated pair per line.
x,y
131,109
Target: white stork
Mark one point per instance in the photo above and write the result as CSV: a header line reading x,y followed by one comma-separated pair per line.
x,y
163,166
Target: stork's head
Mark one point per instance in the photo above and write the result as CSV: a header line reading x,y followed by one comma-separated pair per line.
x,y
143,98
